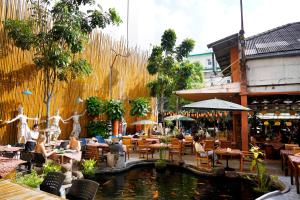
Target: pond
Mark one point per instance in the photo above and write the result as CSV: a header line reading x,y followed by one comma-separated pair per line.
x,y
145,183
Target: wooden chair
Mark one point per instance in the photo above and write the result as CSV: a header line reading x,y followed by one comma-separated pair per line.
x,y
143,148
225,144
296,150
247,157
290,146
93,152
128,143
175,149
189,143
202,158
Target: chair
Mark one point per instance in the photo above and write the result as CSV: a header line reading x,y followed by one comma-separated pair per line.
x,y
38,159
127,142
225,144
175,149
296,150
28,157
143,148
82,189
247,157
53,182
290,146
92,152
189,143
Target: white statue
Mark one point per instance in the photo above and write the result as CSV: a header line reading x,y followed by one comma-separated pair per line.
x,y
55,129
23,127
76,125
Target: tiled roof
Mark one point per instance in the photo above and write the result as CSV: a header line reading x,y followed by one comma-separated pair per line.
x,y
283,40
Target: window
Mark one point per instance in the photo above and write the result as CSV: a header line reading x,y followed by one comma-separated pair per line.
x,y
208,61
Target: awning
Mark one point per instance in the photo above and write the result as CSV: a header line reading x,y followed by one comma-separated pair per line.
x,y
225,91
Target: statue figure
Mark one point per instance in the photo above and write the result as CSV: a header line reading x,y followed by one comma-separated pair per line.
x,y
23,127
76,125
55,129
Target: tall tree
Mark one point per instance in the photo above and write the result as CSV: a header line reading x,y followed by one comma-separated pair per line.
x,y
166,61
57,35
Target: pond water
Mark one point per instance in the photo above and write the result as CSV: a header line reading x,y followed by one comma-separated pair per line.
x,y
145,183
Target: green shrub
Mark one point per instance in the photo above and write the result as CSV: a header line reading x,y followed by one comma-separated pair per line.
x,y
32,180
95,106
139,107
51,166
95,128
89,166
114,109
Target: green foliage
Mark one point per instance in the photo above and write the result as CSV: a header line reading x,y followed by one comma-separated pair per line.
x,y
32,180
58,44
95,106
262,177
114,109
160,164
95,128
140,107
168,40
184,48
51,166
197,77
171,74
89,166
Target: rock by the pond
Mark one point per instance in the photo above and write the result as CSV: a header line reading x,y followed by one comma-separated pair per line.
x,y
218,171
77,174
68,178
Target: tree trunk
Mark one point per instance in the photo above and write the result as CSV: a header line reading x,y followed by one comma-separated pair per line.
x,y
115,127
48,111
162,102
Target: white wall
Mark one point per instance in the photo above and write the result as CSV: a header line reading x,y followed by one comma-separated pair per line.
x,y
274,74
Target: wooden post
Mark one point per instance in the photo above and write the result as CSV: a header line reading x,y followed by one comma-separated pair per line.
x,y
244,124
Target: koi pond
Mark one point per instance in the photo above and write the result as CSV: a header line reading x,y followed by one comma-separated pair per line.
x,y
145,183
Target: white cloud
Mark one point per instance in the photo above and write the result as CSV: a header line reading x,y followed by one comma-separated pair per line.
x,y
203,20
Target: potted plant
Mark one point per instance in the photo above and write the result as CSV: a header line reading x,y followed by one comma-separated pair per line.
x,y
89,168
95,106
140,107
32,180
95,128
115,111
51,166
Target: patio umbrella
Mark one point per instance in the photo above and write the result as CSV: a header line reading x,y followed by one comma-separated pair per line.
x,y
178,118
217,104
144,122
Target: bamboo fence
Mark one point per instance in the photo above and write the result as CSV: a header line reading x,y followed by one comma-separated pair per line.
x,y
17,73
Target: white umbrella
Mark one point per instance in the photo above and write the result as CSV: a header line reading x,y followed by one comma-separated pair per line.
x,y
217,104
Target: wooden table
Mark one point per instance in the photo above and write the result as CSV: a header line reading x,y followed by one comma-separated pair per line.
x,y
158,146
8,165
294,162
74,155
4,149
13,191
229,153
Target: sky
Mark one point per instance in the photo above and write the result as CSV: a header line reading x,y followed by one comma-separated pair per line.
x,y
205,21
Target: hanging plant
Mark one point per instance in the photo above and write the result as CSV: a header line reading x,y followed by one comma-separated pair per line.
x,y
139,107
114,109
95,106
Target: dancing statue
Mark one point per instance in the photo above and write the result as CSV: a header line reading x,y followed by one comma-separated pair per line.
x,y
23,127
76,125
55,129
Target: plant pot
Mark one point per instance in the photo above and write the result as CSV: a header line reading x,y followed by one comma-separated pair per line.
x,y
161,169
89,176
115,127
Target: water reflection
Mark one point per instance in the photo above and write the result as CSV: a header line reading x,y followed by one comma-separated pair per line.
x,y
146,183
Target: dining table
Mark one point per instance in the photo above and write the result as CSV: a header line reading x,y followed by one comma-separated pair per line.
x,y
284,153
294,163
227,153
70,154
8,165
13,191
